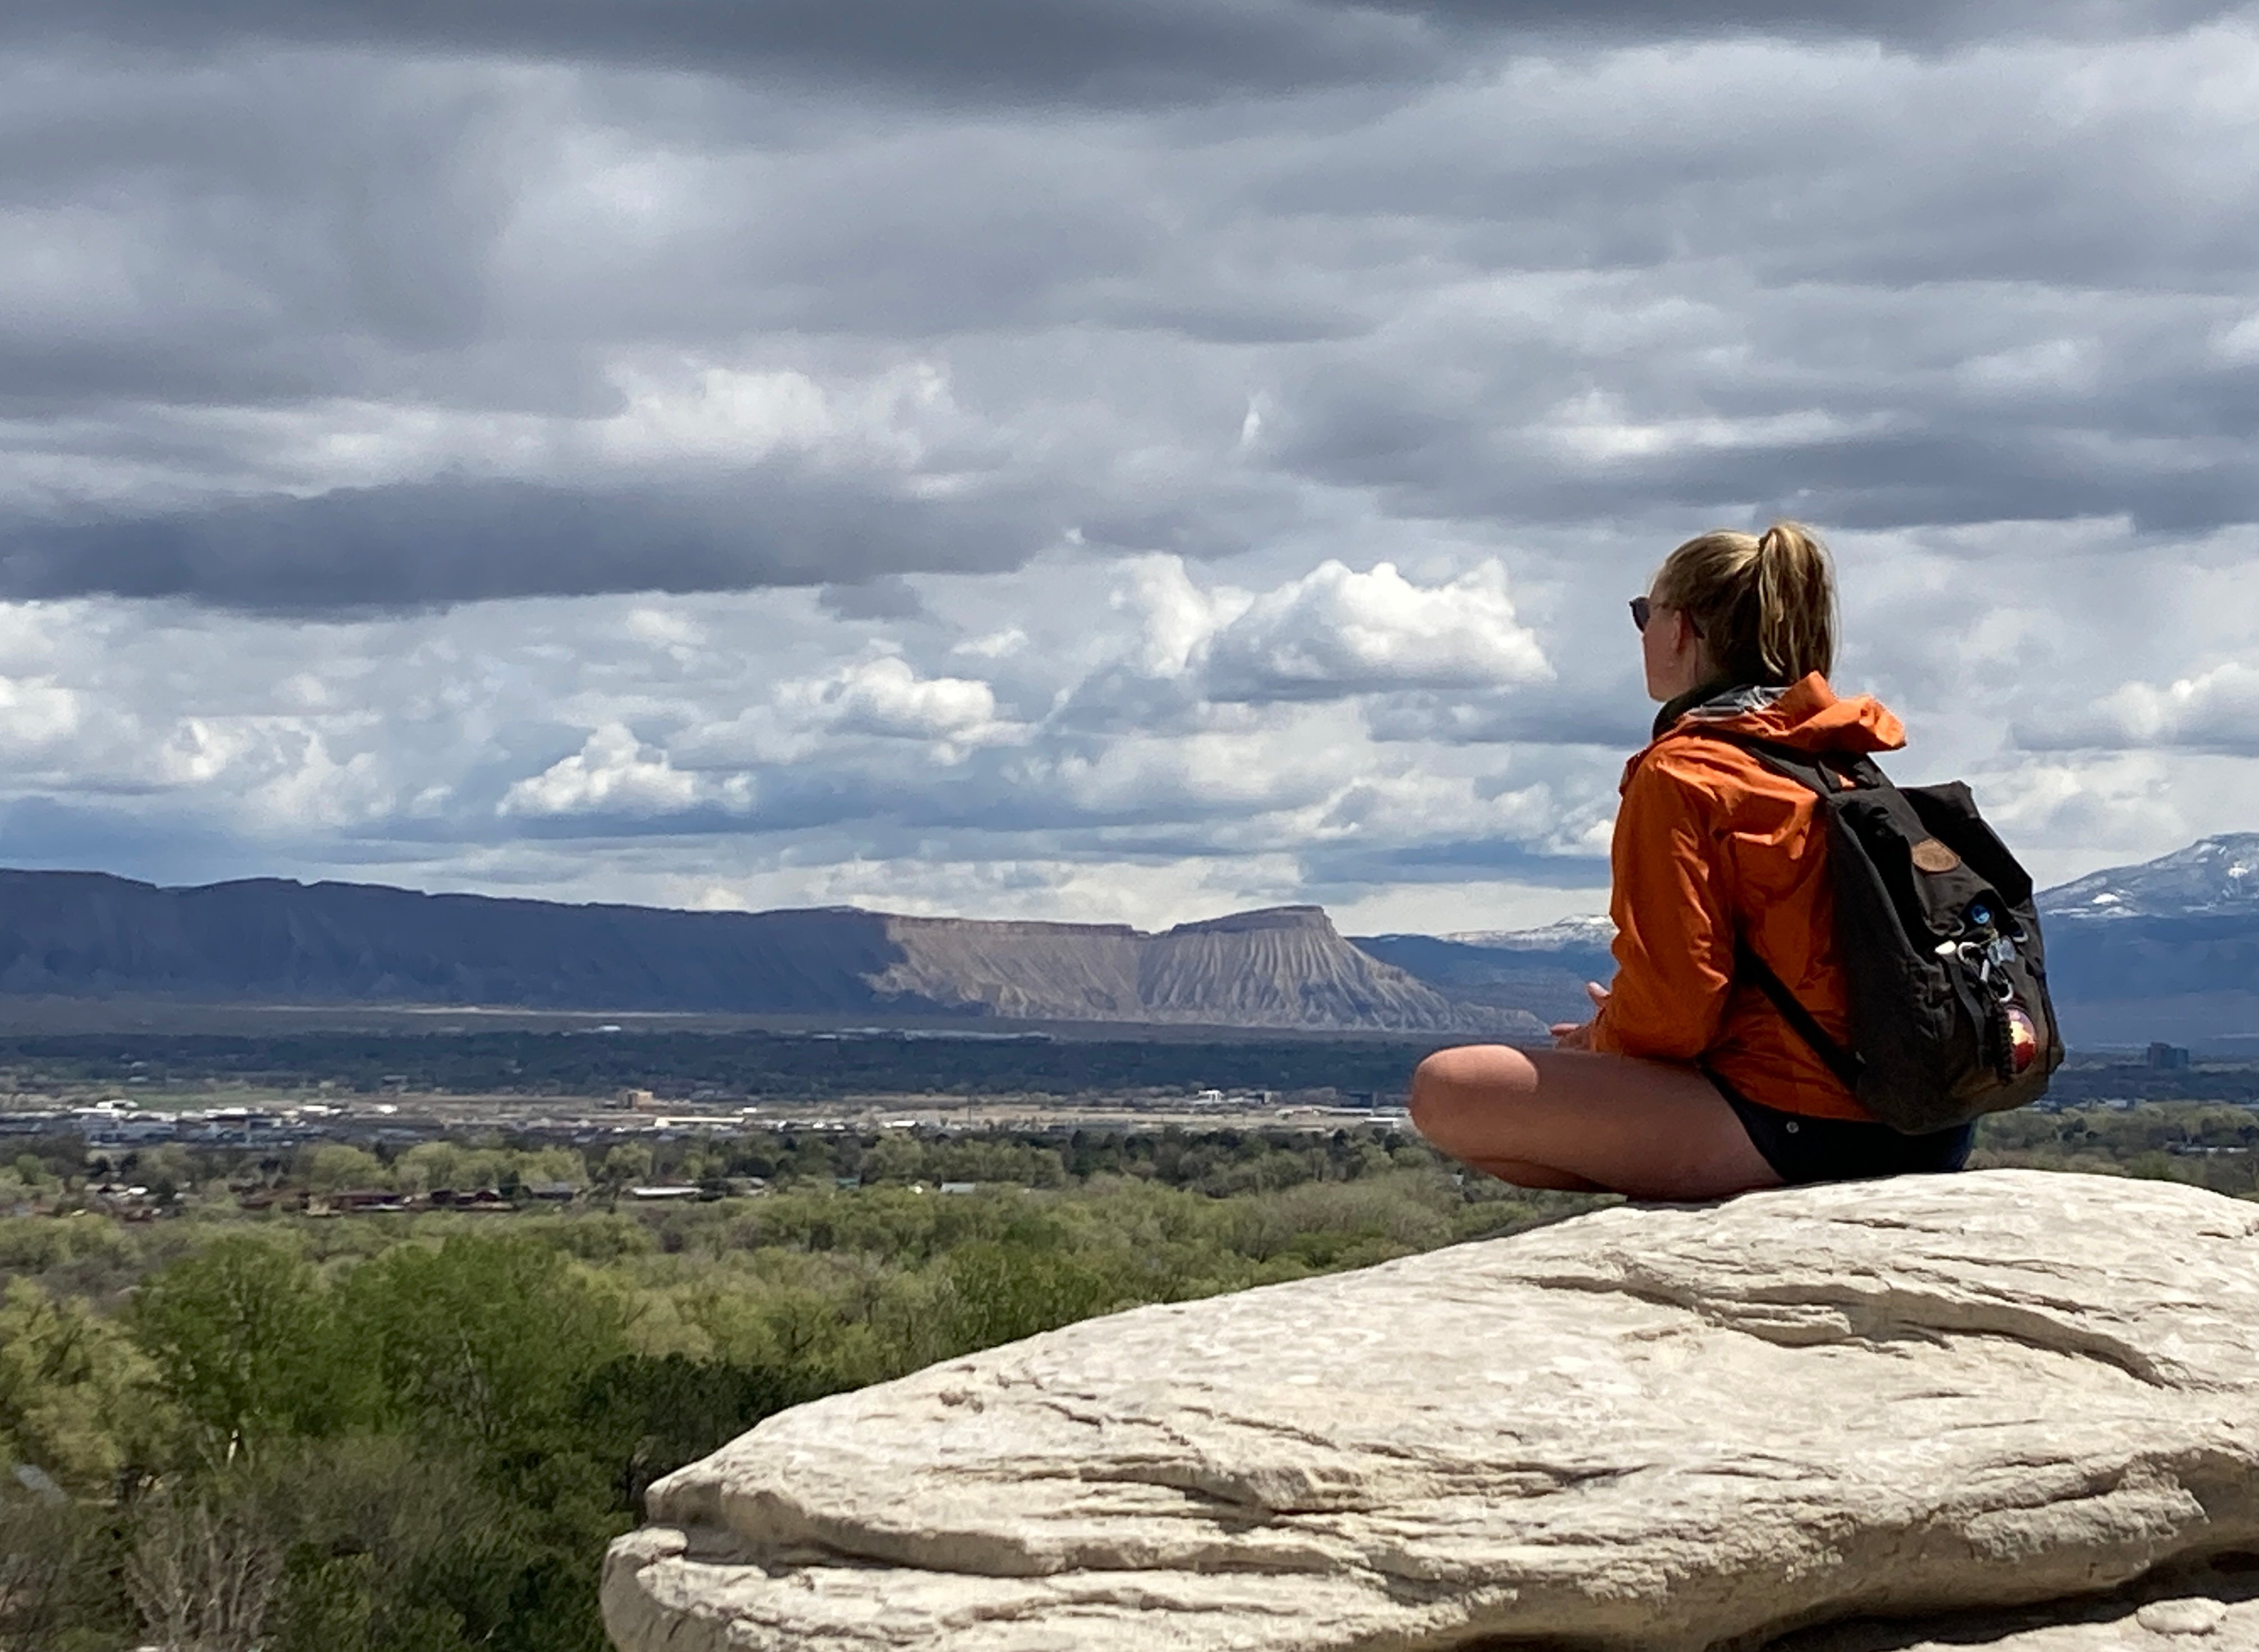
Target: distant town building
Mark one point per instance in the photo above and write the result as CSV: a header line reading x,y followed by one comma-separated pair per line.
x,y
2168,1057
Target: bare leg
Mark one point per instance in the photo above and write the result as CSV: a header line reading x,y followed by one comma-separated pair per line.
x,y
1559,1118
1522,1173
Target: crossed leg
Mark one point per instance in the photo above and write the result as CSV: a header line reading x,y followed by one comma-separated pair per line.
x,y
1565,1119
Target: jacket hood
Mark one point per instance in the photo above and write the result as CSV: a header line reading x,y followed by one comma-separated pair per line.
x,y
1805,715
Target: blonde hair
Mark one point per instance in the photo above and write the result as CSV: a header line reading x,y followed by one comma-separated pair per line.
x,y
1764,604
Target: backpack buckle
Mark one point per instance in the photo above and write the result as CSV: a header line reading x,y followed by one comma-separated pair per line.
x,y
1978,956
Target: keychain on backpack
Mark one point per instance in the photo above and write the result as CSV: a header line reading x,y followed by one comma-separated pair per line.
x,y
2023,1042
2012,1037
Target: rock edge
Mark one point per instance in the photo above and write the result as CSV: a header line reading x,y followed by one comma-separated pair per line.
x,y
1667,1429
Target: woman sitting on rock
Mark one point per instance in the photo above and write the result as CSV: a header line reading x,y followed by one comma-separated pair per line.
x,y
1687,1083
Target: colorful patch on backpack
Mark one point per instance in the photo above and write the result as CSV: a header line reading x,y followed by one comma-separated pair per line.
x,y
2023,1039
1930,855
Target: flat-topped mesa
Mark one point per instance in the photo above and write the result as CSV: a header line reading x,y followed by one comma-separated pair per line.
x,y
1281,966
1661,1428
1311,918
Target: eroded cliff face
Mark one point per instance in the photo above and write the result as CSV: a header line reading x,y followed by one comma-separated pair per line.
x,y
1286,967
1655,1428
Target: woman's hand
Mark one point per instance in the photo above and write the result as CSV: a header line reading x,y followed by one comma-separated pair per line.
x,y
1578,1035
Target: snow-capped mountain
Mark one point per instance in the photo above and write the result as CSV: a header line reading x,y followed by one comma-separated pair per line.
x,y
2214,876
1576,934
2166,949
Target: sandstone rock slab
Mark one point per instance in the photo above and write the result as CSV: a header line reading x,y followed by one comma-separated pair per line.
x,y
1667,1429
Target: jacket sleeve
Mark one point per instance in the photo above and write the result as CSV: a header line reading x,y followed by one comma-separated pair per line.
x,y
1674,946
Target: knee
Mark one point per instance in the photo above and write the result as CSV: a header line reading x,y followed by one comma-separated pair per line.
x,y
1430,1080
1450,1080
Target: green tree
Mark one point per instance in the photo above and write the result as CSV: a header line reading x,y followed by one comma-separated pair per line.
x,y
74,1390
239,1335
995,1291
488,1338
390,1547
430,1164
897,1157
56,1558
627,1165
333,1166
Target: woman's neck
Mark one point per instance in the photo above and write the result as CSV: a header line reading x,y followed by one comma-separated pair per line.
x,y
1678,705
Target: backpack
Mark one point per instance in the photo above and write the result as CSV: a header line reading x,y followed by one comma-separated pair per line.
x,y
1939,942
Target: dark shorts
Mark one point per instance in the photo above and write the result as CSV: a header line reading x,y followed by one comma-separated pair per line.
x,y
1807,1149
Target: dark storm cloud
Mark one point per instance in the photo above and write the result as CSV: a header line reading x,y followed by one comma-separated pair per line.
x,y
1932,477
453,541
414,240
1103,51
1880,19
248,232
1107,50
1110,295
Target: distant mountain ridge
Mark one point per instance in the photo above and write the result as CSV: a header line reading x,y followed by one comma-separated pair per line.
x,y
2165,949
1542,971
2213,876
90,934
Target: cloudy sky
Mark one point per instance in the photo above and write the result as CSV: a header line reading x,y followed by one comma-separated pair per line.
x,y
1119,460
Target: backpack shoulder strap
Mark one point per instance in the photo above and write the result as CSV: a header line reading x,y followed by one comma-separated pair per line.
x,y
1818,772
1824,772
1845,1063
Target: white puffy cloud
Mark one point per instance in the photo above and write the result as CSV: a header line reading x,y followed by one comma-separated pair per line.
x,y
2212,710
995,646
704,412
1336,632
1178,619
885,696
612,774
1332,633
35,714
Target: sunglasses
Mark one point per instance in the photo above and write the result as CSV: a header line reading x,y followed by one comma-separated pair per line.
x,y
1643,610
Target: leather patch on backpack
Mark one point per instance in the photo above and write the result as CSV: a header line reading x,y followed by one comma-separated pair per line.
x,y
1930,855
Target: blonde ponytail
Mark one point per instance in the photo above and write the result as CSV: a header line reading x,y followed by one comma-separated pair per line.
x,y
1796,604
1764,605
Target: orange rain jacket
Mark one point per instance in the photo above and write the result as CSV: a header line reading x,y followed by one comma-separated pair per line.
x,y
1709,843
